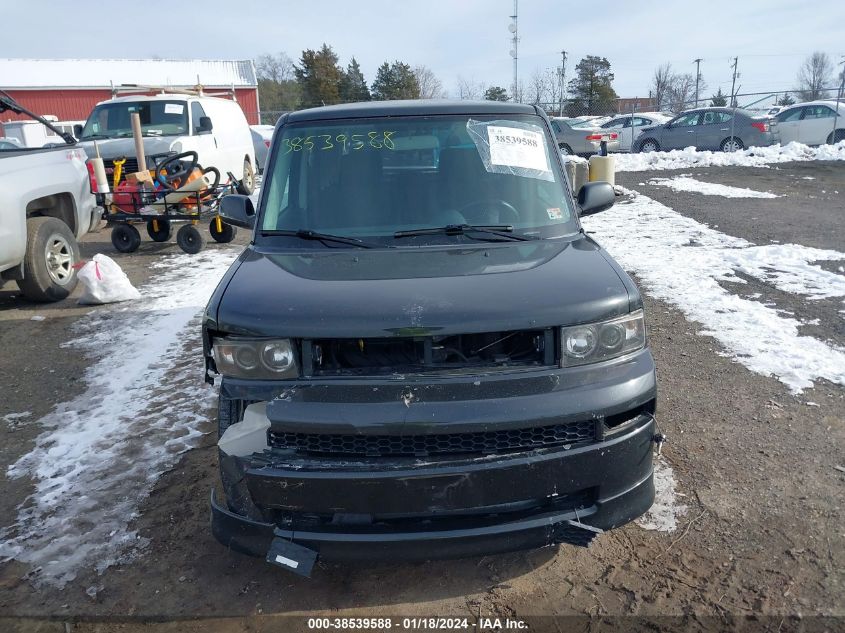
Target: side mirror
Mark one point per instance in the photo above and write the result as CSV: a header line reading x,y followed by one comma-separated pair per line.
x,y
594,197
205,125
77,130
238,210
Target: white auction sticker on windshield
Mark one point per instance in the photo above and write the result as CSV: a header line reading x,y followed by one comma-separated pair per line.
x,y
515,147
173,108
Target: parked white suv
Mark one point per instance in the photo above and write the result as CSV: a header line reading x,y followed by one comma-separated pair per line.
x,y
811,123
216,129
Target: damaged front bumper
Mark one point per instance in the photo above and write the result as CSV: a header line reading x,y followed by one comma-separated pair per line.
x,y
446,506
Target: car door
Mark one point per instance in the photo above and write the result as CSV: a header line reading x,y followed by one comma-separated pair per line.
x,y
715,127
816,124
204,140
788,124
620,125
681,131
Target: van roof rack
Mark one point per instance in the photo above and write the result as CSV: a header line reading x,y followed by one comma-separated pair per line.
x,y
197,90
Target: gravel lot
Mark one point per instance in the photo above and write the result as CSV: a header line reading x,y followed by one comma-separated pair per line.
x,y
762,533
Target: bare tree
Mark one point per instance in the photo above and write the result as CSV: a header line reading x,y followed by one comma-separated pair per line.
x,y
681,92
813,76
538,88
430,85
470,88
275,68
661,86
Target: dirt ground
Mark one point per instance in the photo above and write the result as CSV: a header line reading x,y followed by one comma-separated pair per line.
x,y
762,536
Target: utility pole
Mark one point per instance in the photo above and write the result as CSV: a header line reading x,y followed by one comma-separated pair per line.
x,y
562,79
697,78
514,28
733,101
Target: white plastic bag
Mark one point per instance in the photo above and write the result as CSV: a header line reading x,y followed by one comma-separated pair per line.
x,y
103,281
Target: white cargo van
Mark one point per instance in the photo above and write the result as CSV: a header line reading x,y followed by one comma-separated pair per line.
x,y
215,128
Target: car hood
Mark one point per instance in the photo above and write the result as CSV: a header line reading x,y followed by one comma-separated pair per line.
x,y
418,291
110,148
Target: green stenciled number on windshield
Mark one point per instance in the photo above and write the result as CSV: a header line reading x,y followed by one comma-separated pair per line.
x,y
377,139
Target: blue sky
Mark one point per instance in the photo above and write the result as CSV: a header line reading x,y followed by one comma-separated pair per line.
x,y
467,38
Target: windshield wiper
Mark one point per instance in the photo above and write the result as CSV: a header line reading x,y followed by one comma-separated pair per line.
x,y
502,230
306,234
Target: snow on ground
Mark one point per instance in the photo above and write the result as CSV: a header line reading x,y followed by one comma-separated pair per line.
x,y
685,183
751,157
682,262
101,452
663,515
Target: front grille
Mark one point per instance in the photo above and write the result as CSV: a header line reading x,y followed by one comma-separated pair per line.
x,y
488,442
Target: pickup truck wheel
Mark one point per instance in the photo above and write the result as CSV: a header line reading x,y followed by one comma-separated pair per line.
x,y
125,238
51,252
190,239
247,184
225,235
159,229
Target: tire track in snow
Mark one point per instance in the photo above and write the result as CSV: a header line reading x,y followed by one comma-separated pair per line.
x,y
681,261
102,451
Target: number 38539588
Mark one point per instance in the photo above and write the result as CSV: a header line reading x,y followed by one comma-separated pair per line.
x,y
345,142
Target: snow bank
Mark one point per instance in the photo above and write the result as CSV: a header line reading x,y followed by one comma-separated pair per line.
x,y
663,515
752,157
685,183
682,262
142,402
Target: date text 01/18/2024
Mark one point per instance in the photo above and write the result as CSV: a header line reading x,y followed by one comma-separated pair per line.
x,y
417,624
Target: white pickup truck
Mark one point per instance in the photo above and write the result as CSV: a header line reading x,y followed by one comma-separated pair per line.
x,y
45,206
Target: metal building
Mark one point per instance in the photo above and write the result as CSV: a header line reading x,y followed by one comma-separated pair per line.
x,y
70,88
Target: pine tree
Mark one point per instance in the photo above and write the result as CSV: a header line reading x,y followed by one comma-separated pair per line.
x,y
591,89
496,93
319,77
353,85
395,81
719,99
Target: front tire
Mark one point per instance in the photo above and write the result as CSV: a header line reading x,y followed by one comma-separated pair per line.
x,y
247,184
125,238
648,145
224,236
190,239
51,252
731,144
159,229
565,149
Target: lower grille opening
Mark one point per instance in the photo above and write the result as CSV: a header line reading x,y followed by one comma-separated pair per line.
x,y
621,421
481,443
455,520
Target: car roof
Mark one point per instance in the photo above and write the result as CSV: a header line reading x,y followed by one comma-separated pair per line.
x,y
408,108
828,102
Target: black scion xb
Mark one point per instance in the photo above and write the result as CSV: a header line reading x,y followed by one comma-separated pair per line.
x,y
422,353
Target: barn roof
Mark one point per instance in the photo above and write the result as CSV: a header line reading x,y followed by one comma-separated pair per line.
x,y
102,73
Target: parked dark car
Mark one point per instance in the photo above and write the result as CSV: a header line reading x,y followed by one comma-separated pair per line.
x,y
717,129
423,355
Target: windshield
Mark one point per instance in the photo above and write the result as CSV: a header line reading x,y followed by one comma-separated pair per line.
x,y
369,178
158,118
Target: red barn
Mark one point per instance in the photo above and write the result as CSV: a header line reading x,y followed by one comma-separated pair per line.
x,y
70,88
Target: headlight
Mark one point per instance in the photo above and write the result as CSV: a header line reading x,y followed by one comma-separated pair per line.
x,y
269,359
594,342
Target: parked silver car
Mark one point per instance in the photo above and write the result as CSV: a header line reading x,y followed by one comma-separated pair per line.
x,y
707,128
261,137
629,126
582,138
